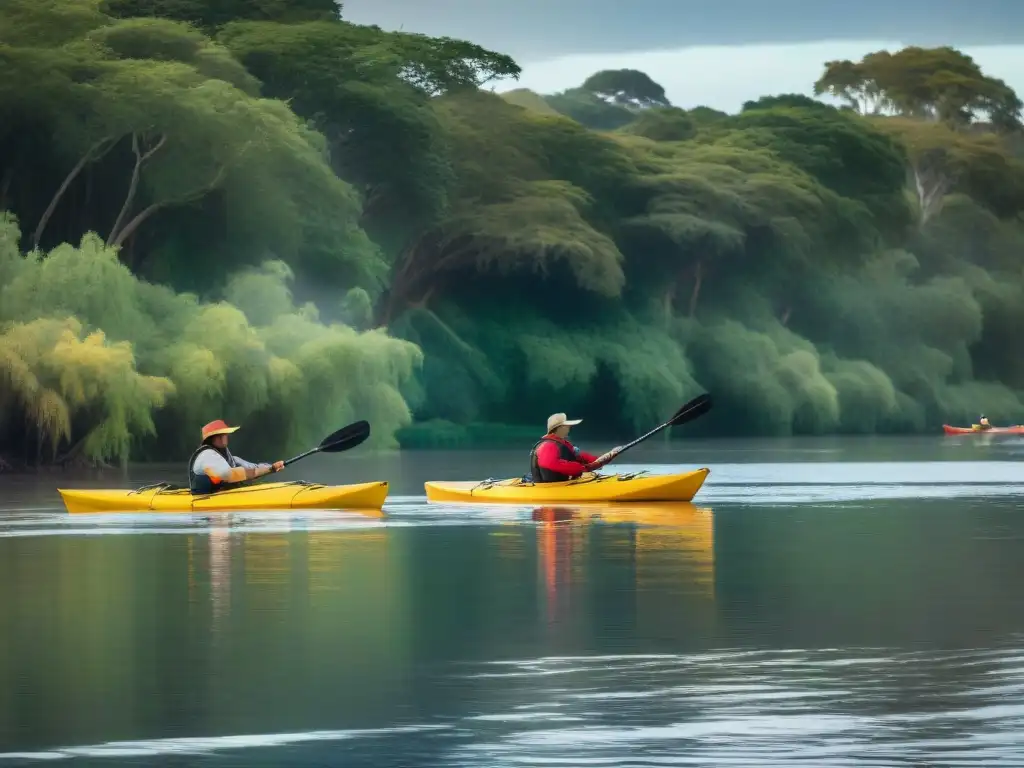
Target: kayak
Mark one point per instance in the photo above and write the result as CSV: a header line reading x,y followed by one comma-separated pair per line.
x,y
165,498
975,429
589,488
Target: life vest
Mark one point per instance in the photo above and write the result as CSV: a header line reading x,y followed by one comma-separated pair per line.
x,y
542,475
201,484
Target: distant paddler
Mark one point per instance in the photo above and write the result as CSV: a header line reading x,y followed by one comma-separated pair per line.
x,y
983,424
554,459
214,468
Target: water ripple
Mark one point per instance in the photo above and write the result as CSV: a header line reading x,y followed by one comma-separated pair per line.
x,y
765,708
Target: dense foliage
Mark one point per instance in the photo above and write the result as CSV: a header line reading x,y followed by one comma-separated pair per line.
x,y
258,211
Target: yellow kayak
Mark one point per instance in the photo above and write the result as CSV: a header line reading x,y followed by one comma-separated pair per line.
x,y
269,496
589,488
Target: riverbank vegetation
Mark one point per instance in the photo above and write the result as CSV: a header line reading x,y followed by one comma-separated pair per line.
x,y
261,212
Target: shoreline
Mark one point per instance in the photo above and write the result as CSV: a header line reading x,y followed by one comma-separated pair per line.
x,y
506,444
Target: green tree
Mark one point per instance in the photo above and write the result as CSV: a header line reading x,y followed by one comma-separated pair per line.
x,y
524,203
942,161
368,92
935,83
626,87
158,112
846,153
707,209
590,110
663,124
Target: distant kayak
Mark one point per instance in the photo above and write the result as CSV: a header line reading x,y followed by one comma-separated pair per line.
x,y
589,488
975,429
269,496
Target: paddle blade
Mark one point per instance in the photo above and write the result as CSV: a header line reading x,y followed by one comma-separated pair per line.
x,y
345,438
696,407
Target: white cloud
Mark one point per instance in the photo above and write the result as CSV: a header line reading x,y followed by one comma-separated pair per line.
x,y
724,77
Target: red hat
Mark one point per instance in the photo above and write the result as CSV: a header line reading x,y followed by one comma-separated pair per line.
x,y
218,427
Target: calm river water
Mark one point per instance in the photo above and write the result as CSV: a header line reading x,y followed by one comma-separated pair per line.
x,y
823,602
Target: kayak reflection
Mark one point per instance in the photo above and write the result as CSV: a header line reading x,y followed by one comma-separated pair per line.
x,y
655,542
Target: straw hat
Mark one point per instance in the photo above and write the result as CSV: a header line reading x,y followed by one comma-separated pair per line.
x,y
218,427
557,420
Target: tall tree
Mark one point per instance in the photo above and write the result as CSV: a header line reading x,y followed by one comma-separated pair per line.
x,y
942,161
933,83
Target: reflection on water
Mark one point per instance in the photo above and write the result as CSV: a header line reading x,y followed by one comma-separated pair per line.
x,y
874,621
668,546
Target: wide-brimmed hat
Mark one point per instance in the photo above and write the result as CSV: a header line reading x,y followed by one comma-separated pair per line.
x,y
557,420
218,427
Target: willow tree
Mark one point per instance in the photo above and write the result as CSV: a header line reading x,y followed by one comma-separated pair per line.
x,y
143,354
918,330
66,388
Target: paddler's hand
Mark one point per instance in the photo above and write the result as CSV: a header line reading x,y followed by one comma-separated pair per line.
x,y
277,466
605,458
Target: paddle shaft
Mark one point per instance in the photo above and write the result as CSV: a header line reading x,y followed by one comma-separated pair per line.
x,y
293,459
697,405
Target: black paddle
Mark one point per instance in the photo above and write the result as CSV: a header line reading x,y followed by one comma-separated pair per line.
x,y
692,410
342,440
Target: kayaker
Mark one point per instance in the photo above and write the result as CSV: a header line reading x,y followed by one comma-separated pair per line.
x,y
554,459
213,468
984,423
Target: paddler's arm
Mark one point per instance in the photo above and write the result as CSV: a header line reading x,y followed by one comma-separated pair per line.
x,y
216,467
548,458
258,470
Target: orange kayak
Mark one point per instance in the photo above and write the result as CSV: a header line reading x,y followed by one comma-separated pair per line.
x,y
975,429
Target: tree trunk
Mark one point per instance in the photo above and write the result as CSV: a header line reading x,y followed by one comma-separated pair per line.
x,y
93,153
698,279
133,186
5,188
931,186
785,315
145,213
401,284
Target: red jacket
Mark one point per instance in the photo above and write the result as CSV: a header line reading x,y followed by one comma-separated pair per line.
x,y
548,458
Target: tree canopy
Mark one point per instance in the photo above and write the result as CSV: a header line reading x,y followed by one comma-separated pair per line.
x,y
262,211
931,83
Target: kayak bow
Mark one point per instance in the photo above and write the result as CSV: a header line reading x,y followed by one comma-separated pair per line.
x,y
589,488
267,496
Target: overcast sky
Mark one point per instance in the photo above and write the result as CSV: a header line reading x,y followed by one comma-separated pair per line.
x,y
717,53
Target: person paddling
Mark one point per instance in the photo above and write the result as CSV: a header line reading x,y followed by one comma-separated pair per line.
x,y
984,423
554,459
213,468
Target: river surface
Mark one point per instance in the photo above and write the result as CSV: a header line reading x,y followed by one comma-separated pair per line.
x,y
826,602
